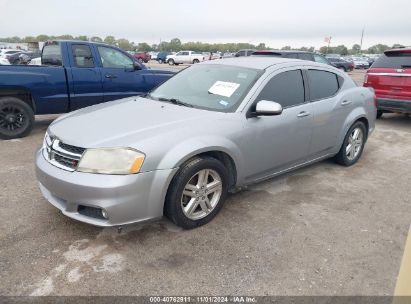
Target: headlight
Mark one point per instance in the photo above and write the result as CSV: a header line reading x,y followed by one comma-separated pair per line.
x,y
111,161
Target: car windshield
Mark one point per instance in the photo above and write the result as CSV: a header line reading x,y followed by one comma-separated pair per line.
x,y
211,87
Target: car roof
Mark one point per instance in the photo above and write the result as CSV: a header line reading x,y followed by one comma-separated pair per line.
x,y
398,50
284,51
260,63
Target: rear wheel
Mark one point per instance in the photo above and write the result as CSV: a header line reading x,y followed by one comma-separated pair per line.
x,y
160,61
353,145
197,192
16,118
196,61
171,62
379,114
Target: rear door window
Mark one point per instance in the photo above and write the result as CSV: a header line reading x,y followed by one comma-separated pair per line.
x,y
82,56
305,56
322,84
286,88
394,60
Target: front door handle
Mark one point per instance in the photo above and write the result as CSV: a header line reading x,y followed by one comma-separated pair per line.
x,y
303,114
111,76
346,102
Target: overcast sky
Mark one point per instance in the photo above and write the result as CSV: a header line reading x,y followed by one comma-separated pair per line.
x,y
276,23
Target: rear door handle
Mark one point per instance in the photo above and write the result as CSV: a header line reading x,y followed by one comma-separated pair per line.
x,y
303,114
111,76
346,102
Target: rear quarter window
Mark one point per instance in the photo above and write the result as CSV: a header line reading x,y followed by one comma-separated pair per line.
x,y
393,60
322,84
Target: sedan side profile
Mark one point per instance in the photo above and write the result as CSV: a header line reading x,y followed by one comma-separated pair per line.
x,y
212,128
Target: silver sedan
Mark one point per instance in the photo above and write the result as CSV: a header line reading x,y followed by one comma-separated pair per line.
x,y
211,129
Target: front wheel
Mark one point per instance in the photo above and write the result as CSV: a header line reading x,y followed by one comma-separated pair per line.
x,y
197,192
353,145
16,118
160,61
171,62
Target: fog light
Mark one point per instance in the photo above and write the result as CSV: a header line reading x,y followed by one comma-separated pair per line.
x,y
104,213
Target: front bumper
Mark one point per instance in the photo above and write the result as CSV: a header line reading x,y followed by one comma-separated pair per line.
x,y
394,105
126,198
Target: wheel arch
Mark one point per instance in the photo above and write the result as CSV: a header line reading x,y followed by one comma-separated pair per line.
x,y
20,93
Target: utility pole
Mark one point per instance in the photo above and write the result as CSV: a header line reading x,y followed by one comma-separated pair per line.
x,y
362,37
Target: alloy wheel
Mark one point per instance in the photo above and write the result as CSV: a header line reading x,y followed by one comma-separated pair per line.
x,y
12,118
201,194
355,143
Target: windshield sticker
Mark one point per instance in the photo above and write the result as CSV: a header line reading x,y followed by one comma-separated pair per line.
x,y
223,88
242,75
223,103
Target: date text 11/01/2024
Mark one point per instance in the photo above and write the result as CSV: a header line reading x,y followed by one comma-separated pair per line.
x,y
203,299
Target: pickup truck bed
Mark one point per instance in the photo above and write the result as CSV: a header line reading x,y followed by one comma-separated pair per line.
x,y
74,75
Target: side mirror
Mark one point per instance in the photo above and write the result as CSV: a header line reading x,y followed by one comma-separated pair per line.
x,y
267,108
137,66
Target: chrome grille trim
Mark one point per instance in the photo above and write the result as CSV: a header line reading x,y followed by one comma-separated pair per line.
x,y
52,148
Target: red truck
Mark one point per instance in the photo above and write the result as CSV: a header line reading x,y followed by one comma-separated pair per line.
x,y
390,76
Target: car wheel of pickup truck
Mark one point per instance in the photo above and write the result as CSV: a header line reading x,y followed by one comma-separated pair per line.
x,y
197,192
16,118
196,61
170,62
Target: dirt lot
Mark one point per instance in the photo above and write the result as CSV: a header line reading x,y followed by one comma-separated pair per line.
x,y
321,230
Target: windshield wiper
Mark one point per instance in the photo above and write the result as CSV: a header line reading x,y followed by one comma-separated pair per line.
x,y
175,101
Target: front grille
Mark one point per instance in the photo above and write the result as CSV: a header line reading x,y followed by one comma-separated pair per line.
x,y
61,154
65,161
72,149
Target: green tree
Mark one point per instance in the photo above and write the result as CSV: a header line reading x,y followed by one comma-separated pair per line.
x,y
144,47
286,48
110,40
81,37
96,39
125,44
42,38
356,49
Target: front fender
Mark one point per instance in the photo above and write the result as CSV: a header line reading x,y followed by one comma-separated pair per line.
x,y
195,146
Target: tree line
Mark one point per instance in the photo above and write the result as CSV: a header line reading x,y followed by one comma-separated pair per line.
x,y
177,45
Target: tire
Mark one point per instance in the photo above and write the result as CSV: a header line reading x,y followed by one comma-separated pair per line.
x,y
343,69
345,158
379,114
196,61
205,205
16,118
171,62
140,60
160,61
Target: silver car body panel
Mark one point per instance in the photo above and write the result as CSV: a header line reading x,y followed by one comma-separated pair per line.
x,y
168,134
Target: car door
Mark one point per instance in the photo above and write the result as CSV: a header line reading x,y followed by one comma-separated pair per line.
x,y
119,75
282,141
87,87
330,107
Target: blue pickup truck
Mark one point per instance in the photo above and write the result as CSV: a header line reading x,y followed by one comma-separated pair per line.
x,y
73,75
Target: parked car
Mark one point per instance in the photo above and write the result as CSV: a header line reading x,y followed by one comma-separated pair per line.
x,y
213,127
4,53
35,61
142,56
162,57
244,53
185,57
21,58
390,77
4,61
293,54
360,63
341,64
74,74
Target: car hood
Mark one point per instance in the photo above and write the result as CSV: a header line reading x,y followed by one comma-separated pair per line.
x,y
124,123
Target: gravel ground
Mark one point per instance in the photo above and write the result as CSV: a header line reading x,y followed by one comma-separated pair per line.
x,y
321,230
